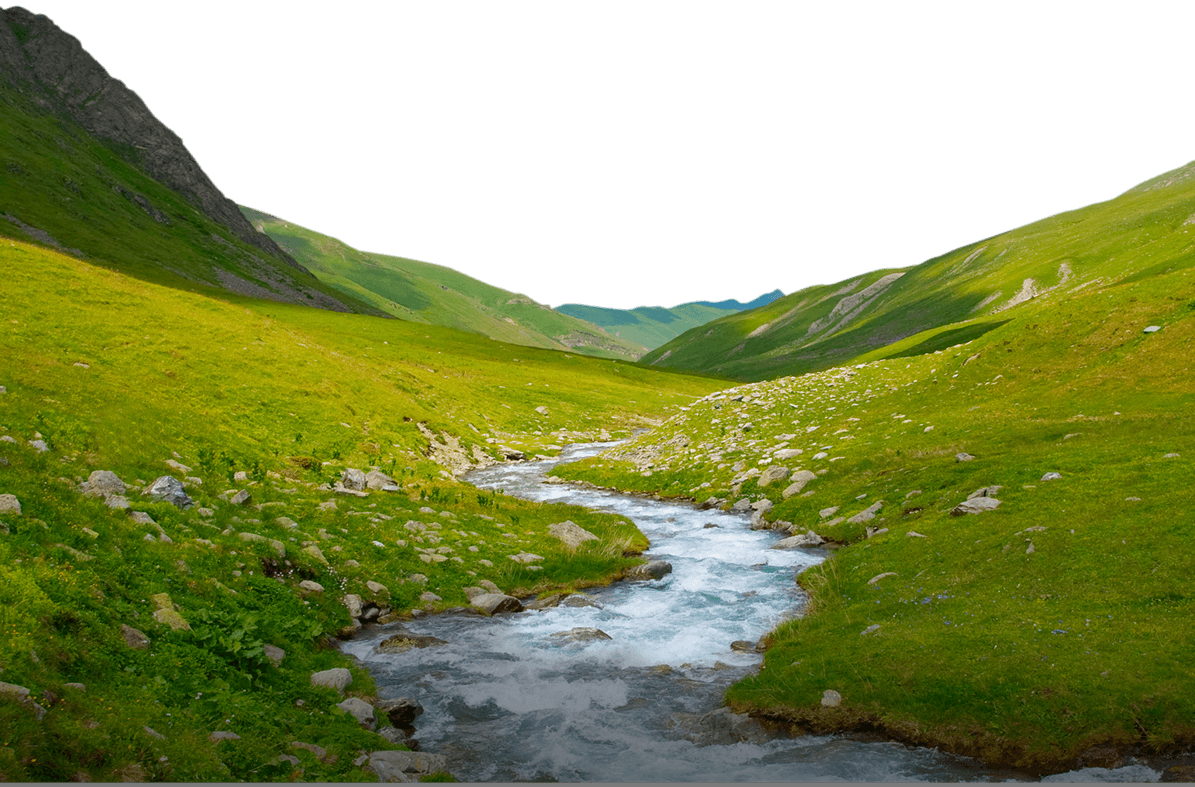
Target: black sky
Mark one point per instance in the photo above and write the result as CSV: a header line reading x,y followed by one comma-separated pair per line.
x,y
623,168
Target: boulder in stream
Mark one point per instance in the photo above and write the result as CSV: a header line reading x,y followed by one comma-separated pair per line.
x,y
655,569
493,603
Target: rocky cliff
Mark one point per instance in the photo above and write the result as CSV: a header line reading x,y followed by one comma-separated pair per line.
x,y
50,67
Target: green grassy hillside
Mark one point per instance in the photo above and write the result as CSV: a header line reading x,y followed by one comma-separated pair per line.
x,y
426,293
1028,633
652,326
64,189
1140,233
110,372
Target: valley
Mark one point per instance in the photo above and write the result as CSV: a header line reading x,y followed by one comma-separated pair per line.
x,y
249,475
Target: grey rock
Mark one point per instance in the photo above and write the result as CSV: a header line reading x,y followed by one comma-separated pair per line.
x,y
579,600
799,481
376,479
168,489
241,498
831,698
963,457
721,727
794,542
985,491
867,514
1171,456
825,512
354,605
429,597
353,479
512,454
405,766
336,678
571,534
134,638
311,586
1152,329
744,646
402,711
9,504
102,483
142,518
975,506
494,603
526,557
762,505
655,569
405,640
361,710
485,583
741,506
274,654
711,502
872,629
223,735
773,473
581,634
39,446
1051,476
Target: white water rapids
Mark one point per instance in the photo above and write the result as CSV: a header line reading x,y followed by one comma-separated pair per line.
x,y
506,702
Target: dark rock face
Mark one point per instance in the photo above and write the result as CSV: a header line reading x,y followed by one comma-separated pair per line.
x,y
51,67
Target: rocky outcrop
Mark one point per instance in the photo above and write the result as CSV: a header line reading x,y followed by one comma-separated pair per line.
x,y
51,67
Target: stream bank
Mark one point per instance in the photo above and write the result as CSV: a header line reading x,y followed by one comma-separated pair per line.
x,y
505,700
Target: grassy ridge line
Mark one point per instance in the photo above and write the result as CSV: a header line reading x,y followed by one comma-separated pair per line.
x,y
1139,234
427,293
118,374
985,646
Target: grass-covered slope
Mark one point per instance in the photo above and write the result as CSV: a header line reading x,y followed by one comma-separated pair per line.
x,y
427,293
652,326
64,189
1138,234
110,372
1025,634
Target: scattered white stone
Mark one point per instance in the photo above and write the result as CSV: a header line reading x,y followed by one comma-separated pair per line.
x,y
1051,476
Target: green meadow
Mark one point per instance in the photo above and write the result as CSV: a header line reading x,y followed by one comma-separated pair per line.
x,y
1025,634
115,373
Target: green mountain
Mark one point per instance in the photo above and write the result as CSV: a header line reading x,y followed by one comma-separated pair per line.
x,y
652,326
88,169
1000,458
427,293
974,289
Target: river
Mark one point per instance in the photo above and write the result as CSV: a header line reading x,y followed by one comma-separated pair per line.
x,y
504,701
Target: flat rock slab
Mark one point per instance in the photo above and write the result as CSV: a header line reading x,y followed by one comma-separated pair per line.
x,y
572,534
975,505
401,643
656,569
405,766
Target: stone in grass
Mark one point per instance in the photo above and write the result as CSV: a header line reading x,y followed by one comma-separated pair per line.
x,y
353,479
773,473
21,695
985,491
102,483
10,505
963,457
405,766
799,480
134,638
274,654
867,514
241,498
1171,456
975,506
1152,329
572,534
870,630
223,735
336,678
170,490
311,586
831,698
1051,476
361,710
401,711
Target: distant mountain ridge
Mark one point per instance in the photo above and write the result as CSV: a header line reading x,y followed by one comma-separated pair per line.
x,y
652,326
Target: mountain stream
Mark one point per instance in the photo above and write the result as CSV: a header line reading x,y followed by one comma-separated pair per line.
x,y
504,701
